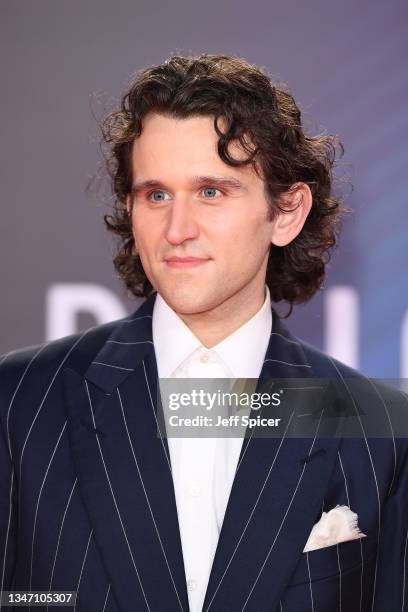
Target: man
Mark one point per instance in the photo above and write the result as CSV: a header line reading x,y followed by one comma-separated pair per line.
x,y
223,205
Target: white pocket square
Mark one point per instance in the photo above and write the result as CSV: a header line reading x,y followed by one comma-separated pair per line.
x,y
337,525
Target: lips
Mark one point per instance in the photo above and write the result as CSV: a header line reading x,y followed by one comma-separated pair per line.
x,y
185,262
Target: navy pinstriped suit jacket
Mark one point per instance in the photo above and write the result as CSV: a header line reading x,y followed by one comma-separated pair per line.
x,y
87,500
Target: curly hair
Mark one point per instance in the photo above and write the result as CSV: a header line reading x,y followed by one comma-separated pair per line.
x,y
265,119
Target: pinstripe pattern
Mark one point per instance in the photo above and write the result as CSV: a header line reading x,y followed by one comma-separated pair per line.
x,y
137,319
241,459
15,393
39,498
404,574
310,582
263,365
106,598
82,567
114,498
284,518
292,365
45,397
339,566
148,502
345,479
252,512
155,417
361,544
285,338
7,534
245,449
391,429
60,533
10,452
4,357
292,388
374,474
64,521
127,343
110,365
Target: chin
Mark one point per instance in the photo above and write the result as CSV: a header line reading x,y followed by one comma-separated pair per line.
x,y
188,302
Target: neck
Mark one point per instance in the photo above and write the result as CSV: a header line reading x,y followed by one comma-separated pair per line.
x,y
213,326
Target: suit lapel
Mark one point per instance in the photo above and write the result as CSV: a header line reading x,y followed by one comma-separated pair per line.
x,y
125,480
124,471
276,495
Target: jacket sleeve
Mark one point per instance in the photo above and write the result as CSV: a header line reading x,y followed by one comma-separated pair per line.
x,y
8,516
391,588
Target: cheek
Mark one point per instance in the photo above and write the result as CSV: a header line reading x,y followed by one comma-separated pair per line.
x,y
143,234
242,235
246,247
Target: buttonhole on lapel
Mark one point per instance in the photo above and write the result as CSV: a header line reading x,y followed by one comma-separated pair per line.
x,y
91,428
309,458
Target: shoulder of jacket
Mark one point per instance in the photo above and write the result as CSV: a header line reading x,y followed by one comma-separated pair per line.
x,y
77,349
387,399
325,366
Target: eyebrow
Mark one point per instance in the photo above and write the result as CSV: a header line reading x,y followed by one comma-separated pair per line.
x,y
216,181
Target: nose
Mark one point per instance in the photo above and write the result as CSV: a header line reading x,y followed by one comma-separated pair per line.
x,y
182,224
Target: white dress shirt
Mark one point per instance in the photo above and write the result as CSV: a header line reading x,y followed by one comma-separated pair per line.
x,y
203,468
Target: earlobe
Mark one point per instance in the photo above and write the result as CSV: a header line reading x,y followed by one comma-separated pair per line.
x,y
295,207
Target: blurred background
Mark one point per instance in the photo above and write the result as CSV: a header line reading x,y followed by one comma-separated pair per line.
x,y
64,62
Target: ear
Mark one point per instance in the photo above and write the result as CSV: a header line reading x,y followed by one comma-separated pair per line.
x,y
296,204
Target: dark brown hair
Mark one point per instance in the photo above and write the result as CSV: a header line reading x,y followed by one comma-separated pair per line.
x,y
264,118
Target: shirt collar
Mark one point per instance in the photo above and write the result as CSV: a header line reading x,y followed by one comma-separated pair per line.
x,y
173,341
243,351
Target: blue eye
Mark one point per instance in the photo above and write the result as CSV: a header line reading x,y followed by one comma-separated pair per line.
x,y
158,196
210,192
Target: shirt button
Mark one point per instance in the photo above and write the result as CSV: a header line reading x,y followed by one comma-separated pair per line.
x,y
191,584
204,358
194,490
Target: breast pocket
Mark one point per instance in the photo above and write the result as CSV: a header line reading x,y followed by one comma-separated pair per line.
x,y
332,560
338,577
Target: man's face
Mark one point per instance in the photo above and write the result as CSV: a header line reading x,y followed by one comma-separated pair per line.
x,y
201,227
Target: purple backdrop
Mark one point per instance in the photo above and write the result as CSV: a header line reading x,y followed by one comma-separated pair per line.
x,y
346,65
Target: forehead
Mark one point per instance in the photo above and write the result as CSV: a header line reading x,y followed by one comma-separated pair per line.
x,y
176,146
